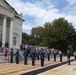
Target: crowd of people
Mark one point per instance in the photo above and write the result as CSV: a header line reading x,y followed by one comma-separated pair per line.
x,y
36,53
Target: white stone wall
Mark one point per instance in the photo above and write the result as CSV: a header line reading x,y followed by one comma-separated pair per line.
x,y
17,31
6,10
1,27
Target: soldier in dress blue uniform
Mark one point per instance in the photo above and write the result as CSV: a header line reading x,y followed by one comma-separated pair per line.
x,y
11,56
17,56
68,56
33,57
54,55
37,53
60,54
25,54
48,54
42,55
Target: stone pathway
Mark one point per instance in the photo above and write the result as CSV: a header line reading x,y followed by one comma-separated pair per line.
x,y
17,69
62,70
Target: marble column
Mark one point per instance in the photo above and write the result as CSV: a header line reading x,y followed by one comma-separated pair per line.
x,y
11,34
20,35
4,31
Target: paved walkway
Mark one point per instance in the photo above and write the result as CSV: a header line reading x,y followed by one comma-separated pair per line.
x,y
17,69
62,70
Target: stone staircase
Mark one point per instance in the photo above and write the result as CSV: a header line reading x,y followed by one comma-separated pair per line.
x,y
1,49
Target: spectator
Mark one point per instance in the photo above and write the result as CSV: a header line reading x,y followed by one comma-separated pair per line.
x,y
5,53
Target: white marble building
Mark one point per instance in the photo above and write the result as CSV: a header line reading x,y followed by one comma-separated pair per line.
x,y
10,25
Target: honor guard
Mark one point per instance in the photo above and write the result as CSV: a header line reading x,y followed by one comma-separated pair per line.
x,y
60,54
33,57
17,56
54,56
37,54
48,55
42,55
68,56
25,54
11,56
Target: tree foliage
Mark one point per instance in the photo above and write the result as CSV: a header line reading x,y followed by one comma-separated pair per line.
x,y
58,34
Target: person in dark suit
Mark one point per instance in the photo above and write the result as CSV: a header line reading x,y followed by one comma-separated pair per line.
x,y
33,57
25,54
11,56
68,56
42,55
17,56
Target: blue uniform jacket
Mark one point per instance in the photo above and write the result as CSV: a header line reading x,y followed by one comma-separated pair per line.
x,y
17,54
42,55
33,55
25,54
68,54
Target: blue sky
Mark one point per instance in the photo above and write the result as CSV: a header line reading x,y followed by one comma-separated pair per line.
x,y
37,12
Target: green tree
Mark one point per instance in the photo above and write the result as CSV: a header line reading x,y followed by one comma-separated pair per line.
x,y
25,38
59,34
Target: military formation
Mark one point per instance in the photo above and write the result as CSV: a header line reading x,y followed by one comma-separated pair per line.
x,y
35,53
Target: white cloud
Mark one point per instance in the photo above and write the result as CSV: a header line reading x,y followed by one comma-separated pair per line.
x,y
71,2
44,11
26,27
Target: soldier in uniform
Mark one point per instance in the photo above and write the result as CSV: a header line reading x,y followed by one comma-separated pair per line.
x,y
48,54
11,56
17,56
68,56
25,54
42,55
33,57
60,54
37,53
54,55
